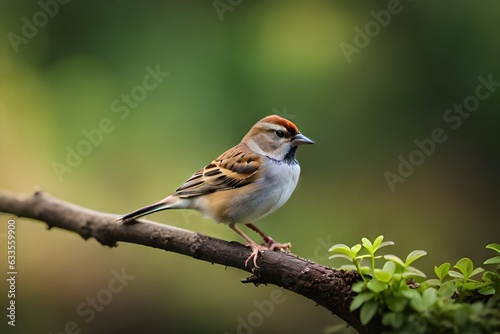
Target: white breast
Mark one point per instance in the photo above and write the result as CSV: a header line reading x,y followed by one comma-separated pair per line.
x,y
280,183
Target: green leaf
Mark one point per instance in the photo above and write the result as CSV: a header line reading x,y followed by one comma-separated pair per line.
x,y
359,287
416,302
361,299
447,289
365,270
455,274
465,266
490,276
487,290
389,267
344,249
472,285
396,303
415,299
395,320
356,248
412,272
410,293
348,267
367,312
336,247
377,242
396,278
385,274
493,260
368,245
434,282
476,271
413,256
382,276
377,286
494,246
386,243
484,288
344,256
442,270
429,297
394,259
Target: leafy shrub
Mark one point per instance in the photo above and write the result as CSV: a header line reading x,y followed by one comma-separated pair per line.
x,y
454,302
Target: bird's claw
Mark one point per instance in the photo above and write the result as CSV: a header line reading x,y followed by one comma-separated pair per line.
x,y
269,244
256,249
273,245
281,247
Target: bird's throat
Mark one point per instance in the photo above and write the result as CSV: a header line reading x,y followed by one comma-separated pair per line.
x,y
289,157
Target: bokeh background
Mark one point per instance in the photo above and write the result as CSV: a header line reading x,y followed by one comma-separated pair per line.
x,y
228,67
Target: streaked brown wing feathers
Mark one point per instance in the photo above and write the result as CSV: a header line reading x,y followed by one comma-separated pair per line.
x,y
234,168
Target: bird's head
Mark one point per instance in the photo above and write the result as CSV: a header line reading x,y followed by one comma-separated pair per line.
x,y
276,138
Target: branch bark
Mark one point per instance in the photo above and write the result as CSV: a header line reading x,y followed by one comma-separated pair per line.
x,y
328,287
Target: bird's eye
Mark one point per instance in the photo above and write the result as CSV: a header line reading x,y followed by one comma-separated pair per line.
x,y
280,133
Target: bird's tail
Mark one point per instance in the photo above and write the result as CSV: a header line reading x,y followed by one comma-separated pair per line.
x,y
161,205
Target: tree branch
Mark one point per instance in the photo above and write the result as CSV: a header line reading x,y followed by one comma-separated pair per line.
x,y
328,287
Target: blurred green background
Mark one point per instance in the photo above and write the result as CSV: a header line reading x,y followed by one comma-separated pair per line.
x,y
228,67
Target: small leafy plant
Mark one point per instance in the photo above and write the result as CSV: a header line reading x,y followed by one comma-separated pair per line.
x,y
454,302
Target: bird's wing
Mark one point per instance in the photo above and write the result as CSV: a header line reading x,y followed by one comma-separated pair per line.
x,y
235,168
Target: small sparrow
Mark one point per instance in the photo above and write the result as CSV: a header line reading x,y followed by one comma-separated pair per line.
x,y
247,182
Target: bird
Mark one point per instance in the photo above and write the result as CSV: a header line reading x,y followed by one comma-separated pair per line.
x,y
245,183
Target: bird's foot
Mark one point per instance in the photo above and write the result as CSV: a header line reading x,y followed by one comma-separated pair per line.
x,y
273,245
280,247
256,249
269,244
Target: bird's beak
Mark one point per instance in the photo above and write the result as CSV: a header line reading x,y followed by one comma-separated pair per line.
x,y
300,139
